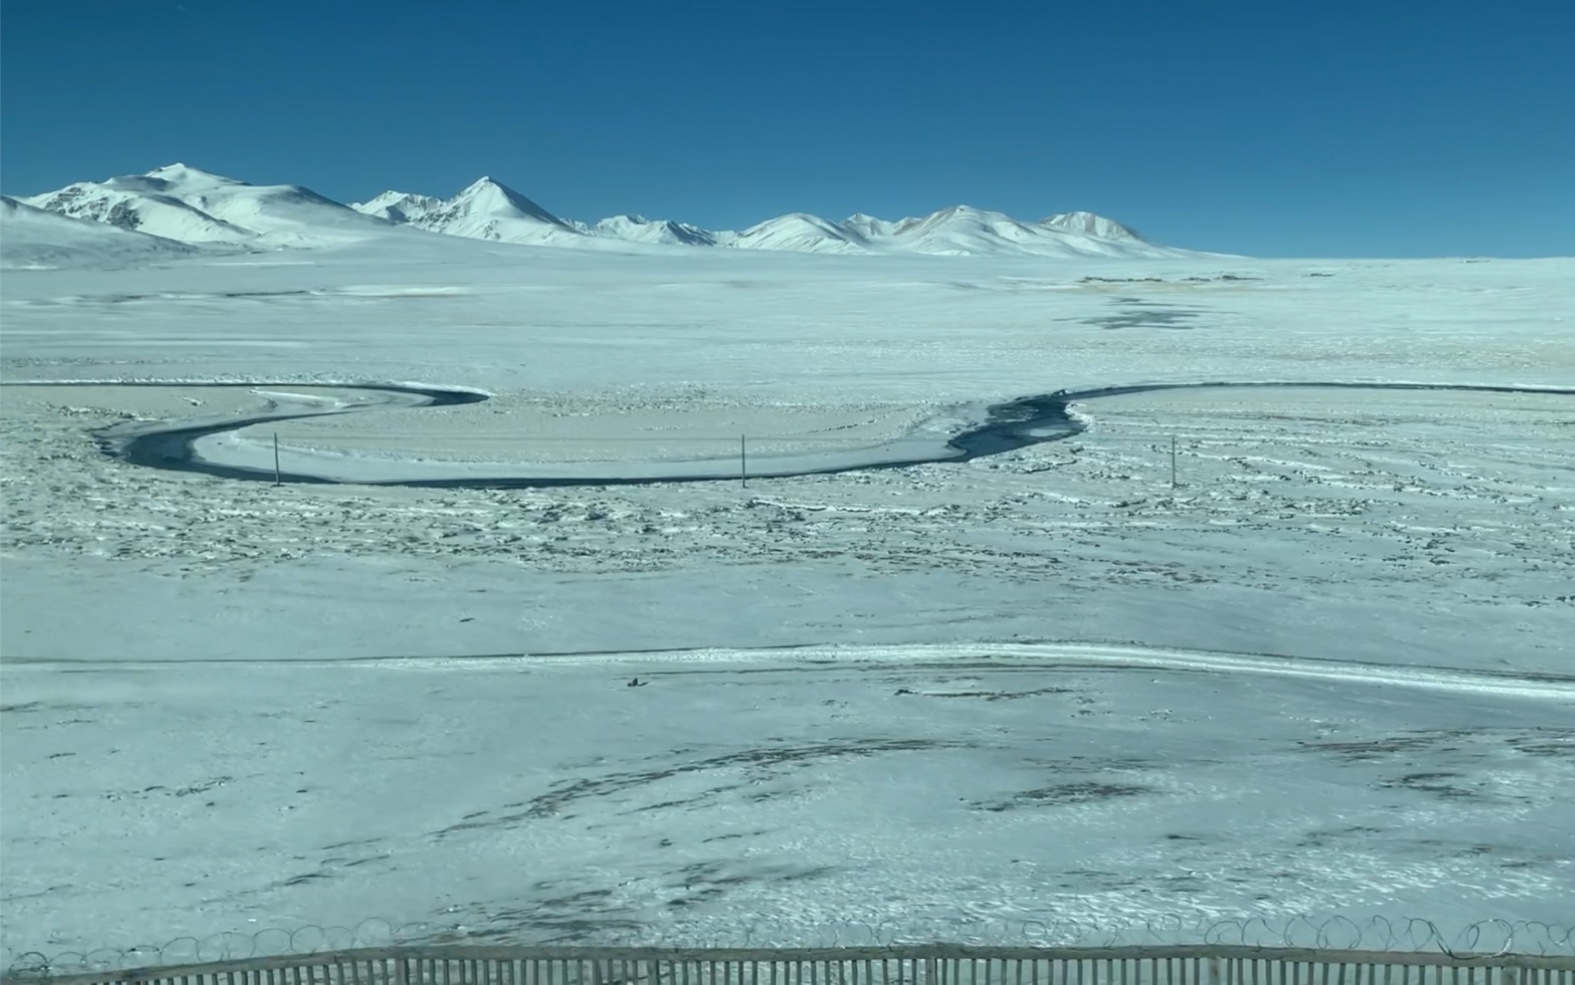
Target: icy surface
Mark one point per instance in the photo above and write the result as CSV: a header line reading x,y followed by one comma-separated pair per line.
x,y
1328,672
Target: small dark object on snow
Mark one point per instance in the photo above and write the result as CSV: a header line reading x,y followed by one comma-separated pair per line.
x,y
636,682
903,690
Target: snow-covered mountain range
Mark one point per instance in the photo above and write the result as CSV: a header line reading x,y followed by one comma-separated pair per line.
x,y
490,210
179,207
191,206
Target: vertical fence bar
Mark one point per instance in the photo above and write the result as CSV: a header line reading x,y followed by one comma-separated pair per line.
x,y
924,965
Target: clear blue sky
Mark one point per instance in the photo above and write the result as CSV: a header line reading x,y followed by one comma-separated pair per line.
x,y
1269,127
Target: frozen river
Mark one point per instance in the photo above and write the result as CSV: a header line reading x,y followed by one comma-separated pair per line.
x,y
1324,674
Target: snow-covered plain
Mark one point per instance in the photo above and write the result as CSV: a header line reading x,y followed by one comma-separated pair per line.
x,y
1330,673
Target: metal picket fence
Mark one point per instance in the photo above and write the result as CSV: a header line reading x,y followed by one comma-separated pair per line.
x,y
1208,964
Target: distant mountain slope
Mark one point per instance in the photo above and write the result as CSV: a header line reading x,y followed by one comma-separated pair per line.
x,y
398,207
186,205
33,238
491,210
965,231
957,231
638,229
182,203
486,210
1090,224
798,232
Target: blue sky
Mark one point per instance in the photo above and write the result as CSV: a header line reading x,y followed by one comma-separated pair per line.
x,y
1269,127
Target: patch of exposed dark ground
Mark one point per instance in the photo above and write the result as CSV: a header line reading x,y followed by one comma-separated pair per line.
x,y
1064,794
1550,742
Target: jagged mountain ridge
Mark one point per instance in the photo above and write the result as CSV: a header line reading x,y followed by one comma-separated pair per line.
x,y
186,205
490,210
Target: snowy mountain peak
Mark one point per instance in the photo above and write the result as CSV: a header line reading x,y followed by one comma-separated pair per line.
x,y
181,174
182,203
485,209
639,229
488,195
958,230
867,226
1090,224
400,207
801,233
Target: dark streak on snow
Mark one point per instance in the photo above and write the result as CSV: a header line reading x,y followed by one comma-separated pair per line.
x,y
761,764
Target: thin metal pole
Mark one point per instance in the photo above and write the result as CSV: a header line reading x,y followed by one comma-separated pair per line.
x,y
1172,461
743,463
276,458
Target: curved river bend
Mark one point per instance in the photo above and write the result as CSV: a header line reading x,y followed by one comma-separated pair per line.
x,y
1007,427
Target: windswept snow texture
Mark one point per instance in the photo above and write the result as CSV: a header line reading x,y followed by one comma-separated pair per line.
x,y
1327,671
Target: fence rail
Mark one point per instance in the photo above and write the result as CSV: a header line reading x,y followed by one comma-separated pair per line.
x,y
906,965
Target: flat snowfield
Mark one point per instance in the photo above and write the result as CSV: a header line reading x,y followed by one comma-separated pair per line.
x,y
1323,665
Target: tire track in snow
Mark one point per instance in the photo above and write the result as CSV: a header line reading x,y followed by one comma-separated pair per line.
x,y
976,657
